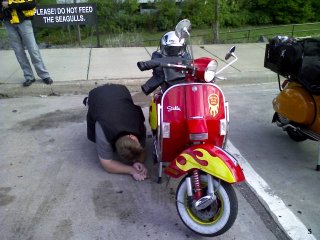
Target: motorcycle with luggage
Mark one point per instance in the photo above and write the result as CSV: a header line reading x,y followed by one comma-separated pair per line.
x,y
297,106
189,119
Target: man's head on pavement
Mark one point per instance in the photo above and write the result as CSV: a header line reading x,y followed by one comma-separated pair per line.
x,y
129,148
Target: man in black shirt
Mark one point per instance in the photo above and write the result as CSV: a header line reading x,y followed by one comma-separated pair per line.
x,y
117,127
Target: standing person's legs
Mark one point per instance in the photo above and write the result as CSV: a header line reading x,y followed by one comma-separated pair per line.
x,y
17,45
27,36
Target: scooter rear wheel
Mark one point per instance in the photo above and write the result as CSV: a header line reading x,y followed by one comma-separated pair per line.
x,y
296,136
293,134
214,220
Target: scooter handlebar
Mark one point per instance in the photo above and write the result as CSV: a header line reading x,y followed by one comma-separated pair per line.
x,y
151,64
147,65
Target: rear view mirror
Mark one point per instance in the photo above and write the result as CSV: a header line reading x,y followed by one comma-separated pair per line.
x,y
230,53
183,29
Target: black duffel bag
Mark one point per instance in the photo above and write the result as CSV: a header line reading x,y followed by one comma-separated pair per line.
x,y
284,56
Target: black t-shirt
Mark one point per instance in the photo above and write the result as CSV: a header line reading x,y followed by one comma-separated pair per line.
x,y
112,106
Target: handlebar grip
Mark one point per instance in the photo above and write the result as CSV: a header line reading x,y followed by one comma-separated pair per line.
x,y
152,84
143,66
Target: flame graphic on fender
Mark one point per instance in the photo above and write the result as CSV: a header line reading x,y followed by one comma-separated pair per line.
x,y
213,101
206,162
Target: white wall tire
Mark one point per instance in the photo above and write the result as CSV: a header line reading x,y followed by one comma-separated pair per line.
x,y
221,221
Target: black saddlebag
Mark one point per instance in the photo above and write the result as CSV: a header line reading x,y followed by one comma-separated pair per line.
x,y
310,74
284,57
311,47
310,69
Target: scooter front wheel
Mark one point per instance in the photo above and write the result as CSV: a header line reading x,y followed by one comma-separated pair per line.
x,y
215,219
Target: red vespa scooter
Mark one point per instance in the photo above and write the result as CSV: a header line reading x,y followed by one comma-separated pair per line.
x,y
189,122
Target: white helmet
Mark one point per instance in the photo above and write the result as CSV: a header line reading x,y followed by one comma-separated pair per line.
x,y
170,45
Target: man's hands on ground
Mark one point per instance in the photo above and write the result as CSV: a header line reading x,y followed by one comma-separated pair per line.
x,y
140,173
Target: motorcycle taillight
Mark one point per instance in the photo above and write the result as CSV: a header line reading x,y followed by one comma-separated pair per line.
x,y
285,82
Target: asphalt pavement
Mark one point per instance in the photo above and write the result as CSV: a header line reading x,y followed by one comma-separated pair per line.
x,y
52,186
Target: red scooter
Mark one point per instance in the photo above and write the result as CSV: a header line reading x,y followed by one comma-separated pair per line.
x,y
189,122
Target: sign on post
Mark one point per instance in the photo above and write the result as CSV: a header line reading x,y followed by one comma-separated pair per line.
x,y
65,14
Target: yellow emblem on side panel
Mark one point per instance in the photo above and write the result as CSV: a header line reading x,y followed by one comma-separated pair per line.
x,y
213,101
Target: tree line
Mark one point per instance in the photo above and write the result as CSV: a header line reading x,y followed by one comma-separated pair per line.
x,y
118,19
125,15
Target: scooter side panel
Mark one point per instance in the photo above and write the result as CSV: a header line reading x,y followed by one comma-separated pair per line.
x,y
316,124
215,112
173,124
295,103
208,158
153,118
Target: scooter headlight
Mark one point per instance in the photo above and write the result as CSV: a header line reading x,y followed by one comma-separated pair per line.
x,y
210,71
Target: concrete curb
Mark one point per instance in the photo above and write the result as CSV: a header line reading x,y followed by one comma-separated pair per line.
x,y
84,86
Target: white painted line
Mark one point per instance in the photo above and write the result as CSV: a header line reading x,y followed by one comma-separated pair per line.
x,y
294,228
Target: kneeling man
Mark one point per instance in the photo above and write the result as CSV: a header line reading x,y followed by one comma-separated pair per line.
x,y
117,127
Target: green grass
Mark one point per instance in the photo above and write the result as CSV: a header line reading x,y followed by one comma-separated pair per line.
x,y
64,36
227,35
253,34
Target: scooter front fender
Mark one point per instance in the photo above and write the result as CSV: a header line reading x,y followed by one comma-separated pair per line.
x,y
207,158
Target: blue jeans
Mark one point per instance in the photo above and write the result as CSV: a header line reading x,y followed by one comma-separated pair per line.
x,y
21,36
